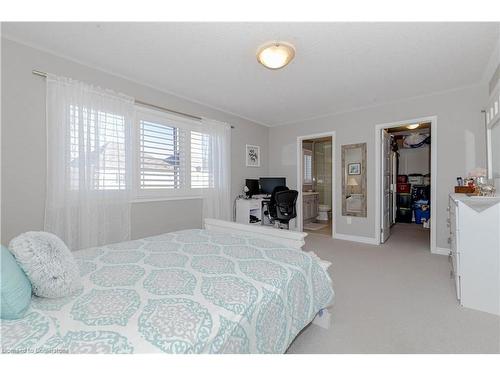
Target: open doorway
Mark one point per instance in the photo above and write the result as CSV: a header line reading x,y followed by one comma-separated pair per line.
x,y
315,183
406,184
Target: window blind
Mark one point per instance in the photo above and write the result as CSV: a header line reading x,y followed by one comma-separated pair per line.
x,y
307,169
160,156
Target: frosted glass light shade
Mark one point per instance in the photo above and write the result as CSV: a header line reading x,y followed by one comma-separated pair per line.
x,y
276,55
412,126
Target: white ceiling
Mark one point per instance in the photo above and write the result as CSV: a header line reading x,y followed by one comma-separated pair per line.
x,y
338,66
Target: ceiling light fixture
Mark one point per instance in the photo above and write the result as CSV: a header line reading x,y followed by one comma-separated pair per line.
x,y
412,126
275,55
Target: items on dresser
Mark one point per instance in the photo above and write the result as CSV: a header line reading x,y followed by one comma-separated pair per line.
x,y
465,189
465,186
486,187
474,224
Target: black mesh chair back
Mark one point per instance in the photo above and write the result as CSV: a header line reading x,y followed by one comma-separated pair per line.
x,y
272,201
285,205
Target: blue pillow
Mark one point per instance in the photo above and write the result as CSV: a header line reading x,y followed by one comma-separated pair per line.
x,y
15,287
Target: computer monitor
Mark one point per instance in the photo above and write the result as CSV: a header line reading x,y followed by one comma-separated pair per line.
x,y
253,187
267,184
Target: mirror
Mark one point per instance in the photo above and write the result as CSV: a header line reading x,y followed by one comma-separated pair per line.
x,y
354,180
494,154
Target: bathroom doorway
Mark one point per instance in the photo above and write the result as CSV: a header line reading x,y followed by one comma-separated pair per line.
x,y
315,184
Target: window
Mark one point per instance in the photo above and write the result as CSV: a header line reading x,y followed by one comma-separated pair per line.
x,y
159,156
173,156
97,150
307,167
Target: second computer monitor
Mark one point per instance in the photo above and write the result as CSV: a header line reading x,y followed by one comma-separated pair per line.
x,y
267,184
252,187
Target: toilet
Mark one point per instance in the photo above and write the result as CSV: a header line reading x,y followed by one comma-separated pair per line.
x,y
323,212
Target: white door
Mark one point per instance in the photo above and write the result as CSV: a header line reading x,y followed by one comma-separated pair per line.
x,y
386,186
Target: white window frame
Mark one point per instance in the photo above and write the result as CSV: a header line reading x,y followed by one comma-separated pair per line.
x,y
185,124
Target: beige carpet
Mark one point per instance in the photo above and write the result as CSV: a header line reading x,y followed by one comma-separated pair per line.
x,y
314,226
395,298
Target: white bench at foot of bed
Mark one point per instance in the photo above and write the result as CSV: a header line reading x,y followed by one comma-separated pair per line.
x,y
287,238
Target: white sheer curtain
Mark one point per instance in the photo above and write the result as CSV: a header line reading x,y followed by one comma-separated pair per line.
x,y
88,163
217,153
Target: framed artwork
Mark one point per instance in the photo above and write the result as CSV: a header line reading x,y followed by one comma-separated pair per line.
x,y
252,155
354,168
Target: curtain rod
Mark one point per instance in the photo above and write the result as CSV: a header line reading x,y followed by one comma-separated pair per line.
x,y
43,74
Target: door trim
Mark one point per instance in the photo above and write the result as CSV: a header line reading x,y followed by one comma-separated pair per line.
x,y
434,171
300,221
387,155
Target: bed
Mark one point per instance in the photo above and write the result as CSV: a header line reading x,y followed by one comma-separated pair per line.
x,y
228,288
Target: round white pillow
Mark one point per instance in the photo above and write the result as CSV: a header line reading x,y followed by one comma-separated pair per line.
x,y
48,263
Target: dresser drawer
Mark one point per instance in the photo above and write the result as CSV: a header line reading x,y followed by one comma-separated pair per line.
x,y
452,222
455,272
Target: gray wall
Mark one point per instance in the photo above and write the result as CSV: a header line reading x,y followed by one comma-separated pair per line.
x,y
24,143
461,146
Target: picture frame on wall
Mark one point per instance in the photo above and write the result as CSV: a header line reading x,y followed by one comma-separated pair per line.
x,y
252,155
354,169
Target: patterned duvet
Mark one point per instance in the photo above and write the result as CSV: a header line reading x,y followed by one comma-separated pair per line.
x,y
191,291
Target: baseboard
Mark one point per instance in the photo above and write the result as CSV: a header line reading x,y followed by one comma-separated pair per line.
x,y
441,251
362,239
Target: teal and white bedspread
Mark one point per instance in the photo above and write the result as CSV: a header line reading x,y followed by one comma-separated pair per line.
x,y
191,291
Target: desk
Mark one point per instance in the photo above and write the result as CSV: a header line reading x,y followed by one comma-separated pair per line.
x,y
254,207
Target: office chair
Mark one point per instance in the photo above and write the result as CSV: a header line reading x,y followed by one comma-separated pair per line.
x,y
281,208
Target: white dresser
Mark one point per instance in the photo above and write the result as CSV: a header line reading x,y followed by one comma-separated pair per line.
x,y
474,224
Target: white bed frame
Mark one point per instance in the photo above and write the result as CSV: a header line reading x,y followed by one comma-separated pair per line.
x,y
287,238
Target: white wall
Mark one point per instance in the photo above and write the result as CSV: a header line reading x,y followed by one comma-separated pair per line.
x,y
461,146
24,143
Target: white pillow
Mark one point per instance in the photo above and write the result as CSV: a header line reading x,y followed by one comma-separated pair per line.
x,y
48,263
